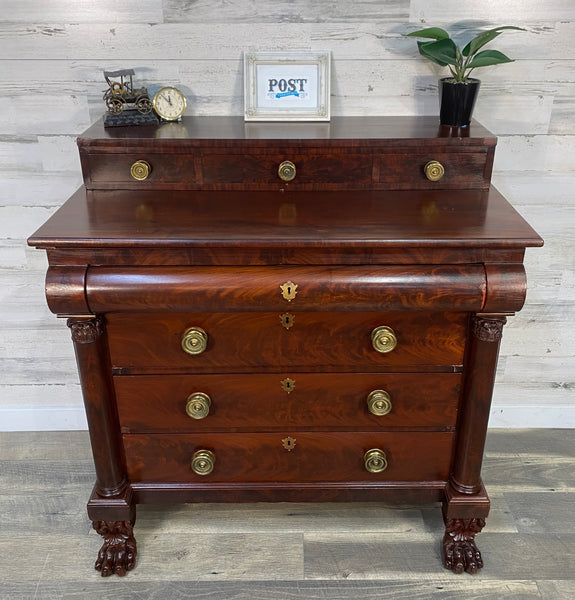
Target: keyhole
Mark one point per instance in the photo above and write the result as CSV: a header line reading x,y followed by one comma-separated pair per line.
x,y
288,443
288,385
287,320
289,290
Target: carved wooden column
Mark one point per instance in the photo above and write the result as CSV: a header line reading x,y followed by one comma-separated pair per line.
x,y
111,507
486,331
466,503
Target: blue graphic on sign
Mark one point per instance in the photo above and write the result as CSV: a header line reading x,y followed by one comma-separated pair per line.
x,y
284,94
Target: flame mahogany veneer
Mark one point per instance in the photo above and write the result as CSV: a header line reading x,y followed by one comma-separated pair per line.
x,y
281,285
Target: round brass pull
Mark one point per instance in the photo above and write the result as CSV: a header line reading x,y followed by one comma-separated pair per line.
x,y
383,339
287,171
194,340
434,170
203,462
375,460
140,170
198,405
379,403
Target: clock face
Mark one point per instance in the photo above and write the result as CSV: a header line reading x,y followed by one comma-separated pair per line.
x,y
169,103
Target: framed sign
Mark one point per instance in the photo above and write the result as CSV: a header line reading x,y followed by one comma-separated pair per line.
x,y
286,86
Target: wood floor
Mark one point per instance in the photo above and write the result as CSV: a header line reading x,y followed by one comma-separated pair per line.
x,y
287,551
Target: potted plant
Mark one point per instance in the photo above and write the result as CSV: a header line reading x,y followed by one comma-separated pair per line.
x,y
457,93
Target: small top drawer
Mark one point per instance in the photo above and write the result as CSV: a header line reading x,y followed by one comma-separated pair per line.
x,y
138,169
432,170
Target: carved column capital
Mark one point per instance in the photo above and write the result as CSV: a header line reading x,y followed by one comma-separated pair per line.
x,y
86,331
488,329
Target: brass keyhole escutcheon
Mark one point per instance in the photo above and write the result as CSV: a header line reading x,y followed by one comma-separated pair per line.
x,y
287,320
379,403
375,460
288,443
198,405
287,171
194,340
140,170
288,385
383,339
289,290
203,462
434,170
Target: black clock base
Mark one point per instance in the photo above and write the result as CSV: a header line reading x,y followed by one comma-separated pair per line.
x,y
130,117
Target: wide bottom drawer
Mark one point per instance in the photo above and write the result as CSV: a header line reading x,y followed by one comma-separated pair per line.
x,y
285,457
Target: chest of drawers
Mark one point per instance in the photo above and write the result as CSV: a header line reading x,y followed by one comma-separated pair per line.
x,y
266,312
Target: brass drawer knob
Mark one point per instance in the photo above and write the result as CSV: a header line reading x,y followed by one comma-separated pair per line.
x,y
198,405
375,460
194,340
287,171
434,170
383,339
203,462
140,170
379,403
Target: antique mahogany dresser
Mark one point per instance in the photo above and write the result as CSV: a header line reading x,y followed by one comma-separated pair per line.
x,y
287,312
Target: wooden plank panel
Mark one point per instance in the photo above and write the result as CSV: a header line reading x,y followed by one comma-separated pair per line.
x,y
370,40
77,588
277,11
441,11
104,11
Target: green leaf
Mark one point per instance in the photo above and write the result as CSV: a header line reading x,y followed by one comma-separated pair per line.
x,y
484,38
442,52
434,33
487,58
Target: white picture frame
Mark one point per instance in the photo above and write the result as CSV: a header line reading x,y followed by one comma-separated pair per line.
x,y
287,86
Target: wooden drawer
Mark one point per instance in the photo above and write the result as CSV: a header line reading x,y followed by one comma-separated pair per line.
x,y
262,457
326,341
154,403
112,171
462,170
310,169
262,289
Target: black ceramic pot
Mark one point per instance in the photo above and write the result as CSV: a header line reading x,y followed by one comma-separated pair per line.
x,y
456,101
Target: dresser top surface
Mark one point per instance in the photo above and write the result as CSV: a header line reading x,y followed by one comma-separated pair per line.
x,y
359,131
331,219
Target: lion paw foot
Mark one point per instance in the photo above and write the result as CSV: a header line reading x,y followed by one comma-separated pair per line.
x,y
460,552
118,552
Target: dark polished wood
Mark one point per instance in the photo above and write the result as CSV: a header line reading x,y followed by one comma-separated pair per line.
x,y
242,402
316,341
315,457
361,238
347,153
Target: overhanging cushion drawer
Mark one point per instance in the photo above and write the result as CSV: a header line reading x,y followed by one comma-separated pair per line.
x,y
349,288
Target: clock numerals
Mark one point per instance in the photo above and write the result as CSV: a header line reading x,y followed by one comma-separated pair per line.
x,y
169,103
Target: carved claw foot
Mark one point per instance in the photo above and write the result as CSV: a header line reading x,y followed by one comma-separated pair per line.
x,y
459,550
118,552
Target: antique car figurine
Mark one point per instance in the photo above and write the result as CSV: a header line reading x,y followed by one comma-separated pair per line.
x,y
121,94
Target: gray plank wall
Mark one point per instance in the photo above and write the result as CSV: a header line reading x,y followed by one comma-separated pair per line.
x,y
52,57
